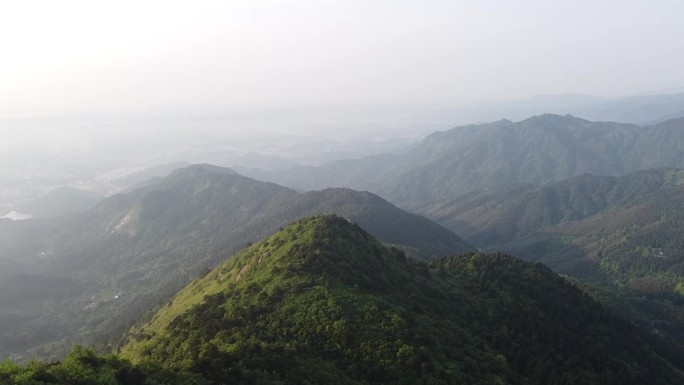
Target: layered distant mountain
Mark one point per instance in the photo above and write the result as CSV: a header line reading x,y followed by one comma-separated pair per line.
x,y
537,150
639,109
91,274
322,301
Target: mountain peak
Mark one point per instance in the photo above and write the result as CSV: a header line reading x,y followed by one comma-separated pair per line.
x,y
323,250
327,246
555,119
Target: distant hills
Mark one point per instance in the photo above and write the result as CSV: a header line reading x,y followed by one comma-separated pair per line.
x,y
90,275
323,301
131,178
646,109
537,150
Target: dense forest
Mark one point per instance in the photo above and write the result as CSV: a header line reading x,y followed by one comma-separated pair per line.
x,y
322,300
620,234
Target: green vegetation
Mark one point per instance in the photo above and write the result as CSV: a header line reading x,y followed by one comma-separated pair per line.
x,y
323,301
85,367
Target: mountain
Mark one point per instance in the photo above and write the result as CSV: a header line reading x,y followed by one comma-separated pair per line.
x,y
537,150
517,109
86,277
622,234
322,301
643,109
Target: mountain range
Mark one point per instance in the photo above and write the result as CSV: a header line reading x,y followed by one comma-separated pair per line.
x,y
88,276
589,199
644,109
357,290
537,150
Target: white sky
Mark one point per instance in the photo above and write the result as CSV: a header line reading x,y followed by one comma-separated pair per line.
x,y
96,57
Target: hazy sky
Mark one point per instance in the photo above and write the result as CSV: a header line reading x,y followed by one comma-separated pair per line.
x,y
82,58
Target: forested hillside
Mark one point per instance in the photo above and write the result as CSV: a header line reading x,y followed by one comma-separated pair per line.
x,y
323,301
498,215
622,234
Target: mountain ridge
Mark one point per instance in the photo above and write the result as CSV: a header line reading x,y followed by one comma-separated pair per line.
x,y
537,150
